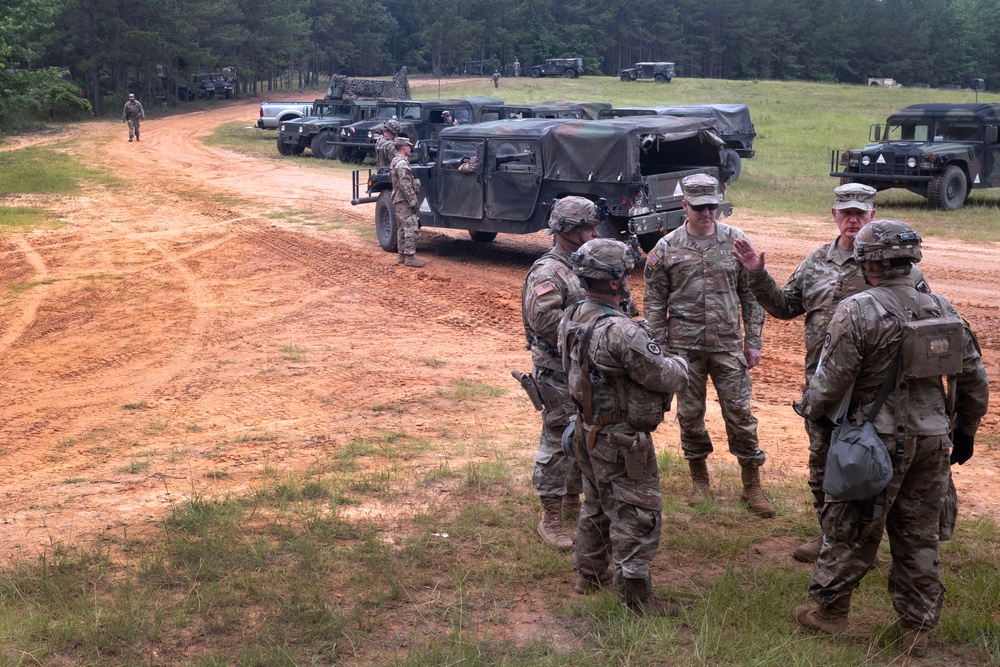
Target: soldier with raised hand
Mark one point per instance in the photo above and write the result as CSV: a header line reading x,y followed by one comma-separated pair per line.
x,y
621,382
549,288
695,294
132,113
385,148
868,334
405,203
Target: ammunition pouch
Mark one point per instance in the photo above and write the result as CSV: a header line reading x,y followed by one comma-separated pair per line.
x,y
932,348
527,383
635,449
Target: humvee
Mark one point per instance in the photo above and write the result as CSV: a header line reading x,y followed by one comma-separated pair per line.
x,y
319,132
631,166
549,109
661,72
938,151
567,67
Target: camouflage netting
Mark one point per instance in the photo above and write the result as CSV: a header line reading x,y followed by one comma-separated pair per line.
x,y
370,89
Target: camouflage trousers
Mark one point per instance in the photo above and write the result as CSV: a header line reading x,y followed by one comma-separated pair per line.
x,y
819,445
620,517
133,127
731,379
912,519
555,474
407,225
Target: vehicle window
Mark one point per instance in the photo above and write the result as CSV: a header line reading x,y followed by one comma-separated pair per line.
x,y
385,113
910,130
453,153
961,129
411,112
514,156
490,115
344,110
463,116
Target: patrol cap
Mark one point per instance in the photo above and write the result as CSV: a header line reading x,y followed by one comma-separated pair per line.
x,y
445,113
854,195
131,96
399,142
572,212
700,189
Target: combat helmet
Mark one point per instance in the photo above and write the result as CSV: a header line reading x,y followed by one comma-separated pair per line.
x,y
393,126
603,259
572,212
885,240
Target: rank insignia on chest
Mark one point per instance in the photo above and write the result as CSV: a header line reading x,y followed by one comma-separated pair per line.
x,y
544,288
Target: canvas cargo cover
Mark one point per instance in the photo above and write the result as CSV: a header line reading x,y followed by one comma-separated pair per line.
x,y
475,101
732,118
589,109
592,150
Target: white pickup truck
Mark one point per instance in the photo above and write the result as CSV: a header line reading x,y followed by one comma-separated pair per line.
x,y
273,114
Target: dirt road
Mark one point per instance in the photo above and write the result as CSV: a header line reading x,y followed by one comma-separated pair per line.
x,y
163,343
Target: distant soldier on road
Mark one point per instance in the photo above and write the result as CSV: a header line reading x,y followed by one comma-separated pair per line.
x,y
405,202
517,68
496,78
132,113
385,149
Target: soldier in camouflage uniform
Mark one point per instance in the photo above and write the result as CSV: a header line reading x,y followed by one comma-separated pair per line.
x,y
621,382
549,288
132,113
695,292
405,202
860,349
385,149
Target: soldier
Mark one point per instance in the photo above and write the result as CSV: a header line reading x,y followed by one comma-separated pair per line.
x,y
132,113
385,149
867,334
496,78
405,202
695,291
517,68
621,382
549,288
447,119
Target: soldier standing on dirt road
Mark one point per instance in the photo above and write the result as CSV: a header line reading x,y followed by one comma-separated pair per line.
x,y
867,336
385,149
695,292
549,288
621,382
405,202
132,113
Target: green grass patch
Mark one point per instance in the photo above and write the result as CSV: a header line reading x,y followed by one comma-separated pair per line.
x,y
19,219
464,389
135,405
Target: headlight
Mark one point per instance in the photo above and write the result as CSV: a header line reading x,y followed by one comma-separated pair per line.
x,y
370,134
866,160
911,162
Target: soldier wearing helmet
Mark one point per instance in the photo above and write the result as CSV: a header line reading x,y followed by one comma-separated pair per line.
x,y
385,149
868,333
621,382
405,202
549,288
695,295
826,276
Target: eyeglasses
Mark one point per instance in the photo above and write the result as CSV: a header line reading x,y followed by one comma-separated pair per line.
x,y
703,207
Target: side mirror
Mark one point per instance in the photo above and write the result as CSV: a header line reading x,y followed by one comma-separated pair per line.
x,y
876,133
991,134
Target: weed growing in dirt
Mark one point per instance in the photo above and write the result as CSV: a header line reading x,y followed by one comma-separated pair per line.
x,y
432,362
137,466
138,405
465,389
294,352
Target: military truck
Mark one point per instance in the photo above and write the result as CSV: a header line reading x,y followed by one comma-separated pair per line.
x,y
549,109
567,67
660,72
938,151
733,124
320,132
631,166
210,85
421,120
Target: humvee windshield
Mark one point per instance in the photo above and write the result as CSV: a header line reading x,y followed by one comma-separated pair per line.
x,y
386,113
933,129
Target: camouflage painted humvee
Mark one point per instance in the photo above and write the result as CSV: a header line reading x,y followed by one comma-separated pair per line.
x,y
938,151
634,165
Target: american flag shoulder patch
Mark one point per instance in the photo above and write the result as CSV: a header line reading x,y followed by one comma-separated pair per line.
x,y
544,288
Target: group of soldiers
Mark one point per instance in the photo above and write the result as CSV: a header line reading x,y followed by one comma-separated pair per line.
x,y
605,379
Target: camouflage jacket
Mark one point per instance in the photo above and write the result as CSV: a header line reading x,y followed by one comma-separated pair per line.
x,y
549,288
133,109
404,187
693,299
630,376
861,347
385,151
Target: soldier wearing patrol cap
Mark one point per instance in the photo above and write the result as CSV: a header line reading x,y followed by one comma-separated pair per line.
x,y
132,113
620,380
695,295
549,288
894,327
405,203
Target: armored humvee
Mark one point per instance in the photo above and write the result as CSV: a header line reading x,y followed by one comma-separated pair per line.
x,y
320,131
661,72
938,151
633,166
567,67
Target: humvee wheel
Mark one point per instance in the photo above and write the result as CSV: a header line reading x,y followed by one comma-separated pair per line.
x,y
345,154
659,78
482,237
283,148
949,189
570,74
535,72
297,149
324,146
733,164
625,77
385,222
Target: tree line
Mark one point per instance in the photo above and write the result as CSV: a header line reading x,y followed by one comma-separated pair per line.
x,y
107,48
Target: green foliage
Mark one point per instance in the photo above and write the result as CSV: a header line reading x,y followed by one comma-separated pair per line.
x,y
35,97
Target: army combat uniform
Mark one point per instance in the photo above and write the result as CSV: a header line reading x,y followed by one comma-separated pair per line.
x,y
384,153
404,200
861,346
621,399
695,292
132,113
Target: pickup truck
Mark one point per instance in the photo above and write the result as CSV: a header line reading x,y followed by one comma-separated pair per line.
x,y
633,166
273,114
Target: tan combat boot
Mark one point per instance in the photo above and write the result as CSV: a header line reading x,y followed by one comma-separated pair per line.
x,y
638,596
571,507
589,583
831,620
411,260
914,640
700,490
550,527
752,494
808,552
402,259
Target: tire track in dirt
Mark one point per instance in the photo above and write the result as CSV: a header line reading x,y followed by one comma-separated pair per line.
x,y
36,296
